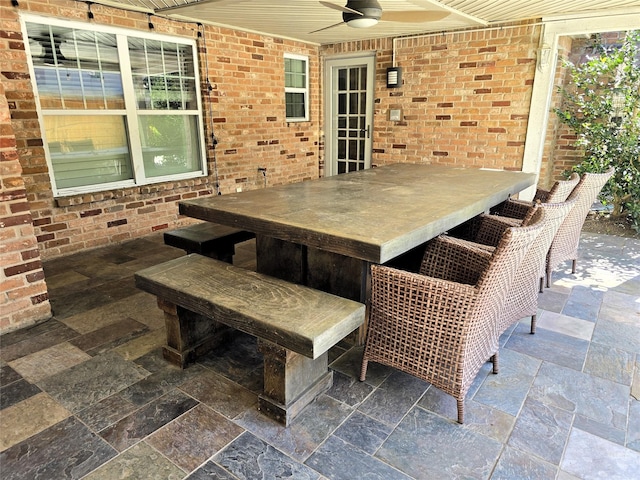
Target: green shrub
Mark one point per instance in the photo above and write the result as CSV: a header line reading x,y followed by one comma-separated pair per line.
x,y
602,107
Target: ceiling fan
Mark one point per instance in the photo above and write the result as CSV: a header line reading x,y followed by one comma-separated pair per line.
x,y
367,13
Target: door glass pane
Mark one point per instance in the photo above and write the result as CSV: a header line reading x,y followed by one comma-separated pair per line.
x,y
88,149
169,144
351,119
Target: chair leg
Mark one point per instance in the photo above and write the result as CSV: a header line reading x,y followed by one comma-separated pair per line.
x,y
363,369
494,360
548,277
460,410
533,323
573,265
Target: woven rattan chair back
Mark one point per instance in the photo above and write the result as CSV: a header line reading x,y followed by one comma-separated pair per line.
x,y
560,190
565,244
439,330
522,300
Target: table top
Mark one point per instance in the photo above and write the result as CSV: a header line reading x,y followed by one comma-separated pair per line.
x,y
374,215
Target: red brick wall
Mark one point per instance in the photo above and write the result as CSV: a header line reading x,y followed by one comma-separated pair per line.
x,y
23,292
465,97
246,72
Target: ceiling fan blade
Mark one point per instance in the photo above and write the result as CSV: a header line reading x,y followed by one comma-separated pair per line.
x,y
327,28
414,16
340,8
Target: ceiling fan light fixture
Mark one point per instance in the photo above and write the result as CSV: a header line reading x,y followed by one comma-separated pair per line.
x,y
369,13
362,22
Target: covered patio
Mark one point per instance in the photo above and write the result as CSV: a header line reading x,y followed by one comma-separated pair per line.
x,y
88,394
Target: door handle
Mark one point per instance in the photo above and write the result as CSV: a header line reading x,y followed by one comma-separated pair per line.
x,y
367,131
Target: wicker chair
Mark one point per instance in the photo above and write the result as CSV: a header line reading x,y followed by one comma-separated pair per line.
x,y
558,193
565,244
440,324
522,300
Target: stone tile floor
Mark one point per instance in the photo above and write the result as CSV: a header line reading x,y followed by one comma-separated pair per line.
x,y
88,395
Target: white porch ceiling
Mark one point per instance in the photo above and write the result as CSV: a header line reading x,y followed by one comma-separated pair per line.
x,y
296,19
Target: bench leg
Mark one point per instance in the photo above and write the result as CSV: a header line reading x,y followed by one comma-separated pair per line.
x,y
189,334
291,381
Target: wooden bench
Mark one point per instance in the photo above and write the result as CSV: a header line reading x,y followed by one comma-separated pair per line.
x,y
209,239
295,325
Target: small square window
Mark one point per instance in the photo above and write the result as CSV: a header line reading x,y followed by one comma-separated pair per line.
x,y
296,87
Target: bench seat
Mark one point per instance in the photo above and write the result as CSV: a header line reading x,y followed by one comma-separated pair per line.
x,y
295,325
210,239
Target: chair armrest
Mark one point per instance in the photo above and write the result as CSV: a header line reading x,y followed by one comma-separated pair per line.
x,y
453,259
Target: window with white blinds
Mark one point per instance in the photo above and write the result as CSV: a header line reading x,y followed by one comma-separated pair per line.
x,y
118,108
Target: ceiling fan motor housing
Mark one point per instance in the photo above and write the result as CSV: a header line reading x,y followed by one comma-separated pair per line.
x,y
370,9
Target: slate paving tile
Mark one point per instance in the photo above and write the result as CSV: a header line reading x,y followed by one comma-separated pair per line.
x,y
16,392
235,360
608,432
363,432
8,375
550,346
566,325
350,363
49,361
109,336
552,300
452,450
42,329
541,430
159,383
507,390
394,398
139,462
308,430
38,338
250,458
211,471
106,412
605,459
218,392
611,363
147,420
92,381
338,460
68,449
633,429
583,303
349,389
78,302
514,464
27,418
601,400
480,418
194,437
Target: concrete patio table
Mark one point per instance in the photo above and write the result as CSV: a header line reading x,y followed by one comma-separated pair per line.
x,y
325,233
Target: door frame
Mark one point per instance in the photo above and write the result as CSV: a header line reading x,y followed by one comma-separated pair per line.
x,y
543,81
341,61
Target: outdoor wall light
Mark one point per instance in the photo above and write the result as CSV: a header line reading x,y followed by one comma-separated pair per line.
x,y
394,77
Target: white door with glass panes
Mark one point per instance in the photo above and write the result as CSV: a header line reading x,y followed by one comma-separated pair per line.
x,y
349,113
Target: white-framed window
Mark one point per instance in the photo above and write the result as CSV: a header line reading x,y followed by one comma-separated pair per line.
x,y
118,108
296,87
